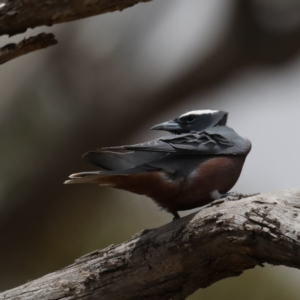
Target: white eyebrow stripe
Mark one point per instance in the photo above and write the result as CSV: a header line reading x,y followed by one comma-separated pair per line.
x,y
199,112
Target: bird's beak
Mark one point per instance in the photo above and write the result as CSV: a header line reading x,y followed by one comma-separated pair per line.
x,y
170,126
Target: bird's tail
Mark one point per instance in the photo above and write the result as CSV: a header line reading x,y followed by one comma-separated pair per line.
x,y
133,180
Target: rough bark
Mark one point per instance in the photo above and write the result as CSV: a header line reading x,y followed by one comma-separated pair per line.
x,y
31,44
173,261
16,16
19,15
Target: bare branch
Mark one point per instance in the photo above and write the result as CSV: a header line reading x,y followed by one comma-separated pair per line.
x,y
19,15
16,16
31,44
176,259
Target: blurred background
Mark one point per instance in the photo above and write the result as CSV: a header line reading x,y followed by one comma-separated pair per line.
x,y
111,78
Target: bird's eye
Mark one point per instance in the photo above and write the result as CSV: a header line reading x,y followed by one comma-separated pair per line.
x,y
190,118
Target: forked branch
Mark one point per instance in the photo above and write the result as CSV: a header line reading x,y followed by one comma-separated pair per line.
x,y
16,16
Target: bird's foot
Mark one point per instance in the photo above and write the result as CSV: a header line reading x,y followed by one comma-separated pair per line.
x,y
234,196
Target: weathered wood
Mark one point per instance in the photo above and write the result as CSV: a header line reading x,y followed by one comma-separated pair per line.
x,y
173,261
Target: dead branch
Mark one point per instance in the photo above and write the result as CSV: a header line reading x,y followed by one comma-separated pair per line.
x,y
173,261
19,15
16,16
31,44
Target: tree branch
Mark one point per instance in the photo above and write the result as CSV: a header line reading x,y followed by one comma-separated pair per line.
x,y
176,259
16,16
31,44
19,15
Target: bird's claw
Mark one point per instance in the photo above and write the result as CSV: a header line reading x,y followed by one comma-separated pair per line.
x,y
234,196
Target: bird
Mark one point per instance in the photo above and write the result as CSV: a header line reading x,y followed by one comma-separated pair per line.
x,y
201,161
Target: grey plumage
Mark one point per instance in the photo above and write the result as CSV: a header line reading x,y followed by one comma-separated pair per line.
x,y
167,153
179,172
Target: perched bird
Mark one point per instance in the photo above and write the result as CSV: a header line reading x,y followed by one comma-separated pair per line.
x,y
201,162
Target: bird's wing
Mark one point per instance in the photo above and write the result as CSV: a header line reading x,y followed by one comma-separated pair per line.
x,y
120,159
213,141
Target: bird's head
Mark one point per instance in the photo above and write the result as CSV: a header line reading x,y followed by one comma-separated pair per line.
x,y
195,120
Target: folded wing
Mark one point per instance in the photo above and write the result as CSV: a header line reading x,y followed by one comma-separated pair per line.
x,y
167,155
213,141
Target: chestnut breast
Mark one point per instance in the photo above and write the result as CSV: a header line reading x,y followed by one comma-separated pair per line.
x,y
194,181
215,175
